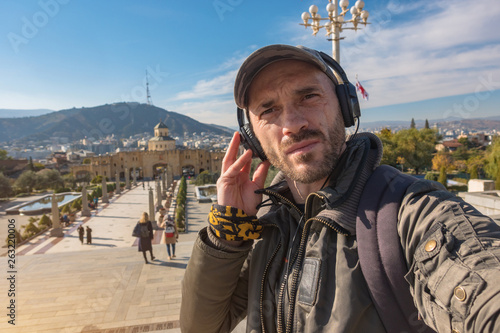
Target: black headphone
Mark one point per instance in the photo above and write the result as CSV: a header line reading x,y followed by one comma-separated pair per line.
x,y
348,101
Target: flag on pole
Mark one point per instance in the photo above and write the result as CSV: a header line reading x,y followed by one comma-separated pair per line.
x,y
361,90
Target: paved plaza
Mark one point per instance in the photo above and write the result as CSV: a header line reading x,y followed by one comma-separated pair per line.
x,y
64,286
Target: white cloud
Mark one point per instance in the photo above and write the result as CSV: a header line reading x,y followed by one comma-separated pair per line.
x,y
216,111
419,50
444,53
411,52
219,85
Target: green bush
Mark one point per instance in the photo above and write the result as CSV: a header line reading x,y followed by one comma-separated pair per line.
x,y
18,238
432,176
461,180
45,221
458,188
205,177
5,186
180,213
30,230
77,204
33,219
96,180
62,190
66,209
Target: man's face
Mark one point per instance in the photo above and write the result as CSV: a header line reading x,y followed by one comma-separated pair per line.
x,y
295,114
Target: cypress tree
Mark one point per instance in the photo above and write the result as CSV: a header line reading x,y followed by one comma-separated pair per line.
x,y
442,175
31,166
474,173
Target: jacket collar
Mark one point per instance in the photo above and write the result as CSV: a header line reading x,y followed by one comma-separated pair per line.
x,y
339,200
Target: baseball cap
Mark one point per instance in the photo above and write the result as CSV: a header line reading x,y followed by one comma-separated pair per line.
x,y
267,55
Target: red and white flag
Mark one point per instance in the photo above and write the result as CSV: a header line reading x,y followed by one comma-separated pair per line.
x,y
361,90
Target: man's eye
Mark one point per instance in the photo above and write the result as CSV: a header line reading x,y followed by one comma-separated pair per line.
x,y
308,96
268,111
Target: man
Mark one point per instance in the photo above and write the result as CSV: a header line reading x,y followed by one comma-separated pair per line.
x,y
81,233
89,235
304,272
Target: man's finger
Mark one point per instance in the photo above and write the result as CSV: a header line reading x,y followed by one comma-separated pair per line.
x,y
231,153
238,166
260,174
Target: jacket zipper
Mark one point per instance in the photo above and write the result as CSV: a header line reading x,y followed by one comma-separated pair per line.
x,y
287,323
280,310
287,326
293,292
261,305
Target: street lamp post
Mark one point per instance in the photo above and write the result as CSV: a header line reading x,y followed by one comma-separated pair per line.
x,y
335,22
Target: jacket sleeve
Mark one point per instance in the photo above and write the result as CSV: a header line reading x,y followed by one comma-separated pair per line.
x,y
453,255
215,286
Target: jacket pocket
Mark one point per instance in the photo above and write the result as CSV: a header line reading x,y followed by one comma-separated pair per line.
x,y
308,287
444,288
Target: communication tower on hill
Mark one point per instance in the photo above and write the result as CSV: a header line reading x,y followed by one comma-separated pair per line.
x,y
148,95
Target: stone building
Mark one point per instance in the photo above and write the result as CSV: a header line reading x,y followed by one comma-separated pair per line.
x,y
161,155
161,141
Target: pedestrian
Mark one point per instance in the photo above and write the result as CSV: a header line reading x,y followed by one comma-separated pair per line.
x,y
89,235
170,235
81,233
145,232
96,200
160,215
305,274
143,187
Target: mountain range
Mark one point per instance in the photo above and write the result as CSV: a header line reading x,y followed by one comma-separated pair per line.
x,y
473,124
120,119
126,119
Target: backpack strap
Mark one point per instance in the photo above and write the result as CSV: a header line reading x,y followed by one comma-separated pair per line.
x,y
380,253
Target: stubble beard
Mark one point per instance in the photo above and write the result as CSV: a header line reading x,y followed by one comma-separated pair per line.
x,y
315,170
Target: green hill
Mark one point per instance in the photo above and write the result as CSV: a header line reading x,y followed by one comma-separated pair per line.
x,y
120,119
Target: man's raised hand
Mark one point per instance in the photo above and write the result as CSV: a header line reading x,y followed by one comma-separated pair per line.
x,y
234,187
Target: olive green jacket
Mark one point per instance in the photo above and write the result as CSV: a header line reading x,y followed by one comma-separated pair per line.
x,y
304,274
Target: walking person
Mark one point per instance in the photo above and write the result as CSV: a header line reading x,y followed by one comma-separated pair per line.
x,y
170,236
160,216
89,235
81,233
323,227
145,232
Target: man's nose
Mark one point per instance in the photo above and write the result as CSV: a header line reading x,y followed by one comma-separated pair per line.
x,y
294,119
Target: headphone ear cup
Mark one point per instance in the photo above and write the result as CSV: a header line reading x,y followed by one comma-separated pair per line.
x,y
249,141
345,105
346,92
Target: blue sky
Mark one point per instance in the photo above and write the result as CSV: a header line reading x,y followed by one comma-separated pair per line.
x,y
418,59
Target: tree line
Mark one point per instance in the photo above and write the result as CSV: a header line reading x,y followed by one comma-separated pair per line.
x,y
414,151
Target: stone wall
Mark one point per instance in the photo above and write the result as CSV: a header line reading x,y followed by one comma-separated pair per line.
x,y
147,161
487,202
